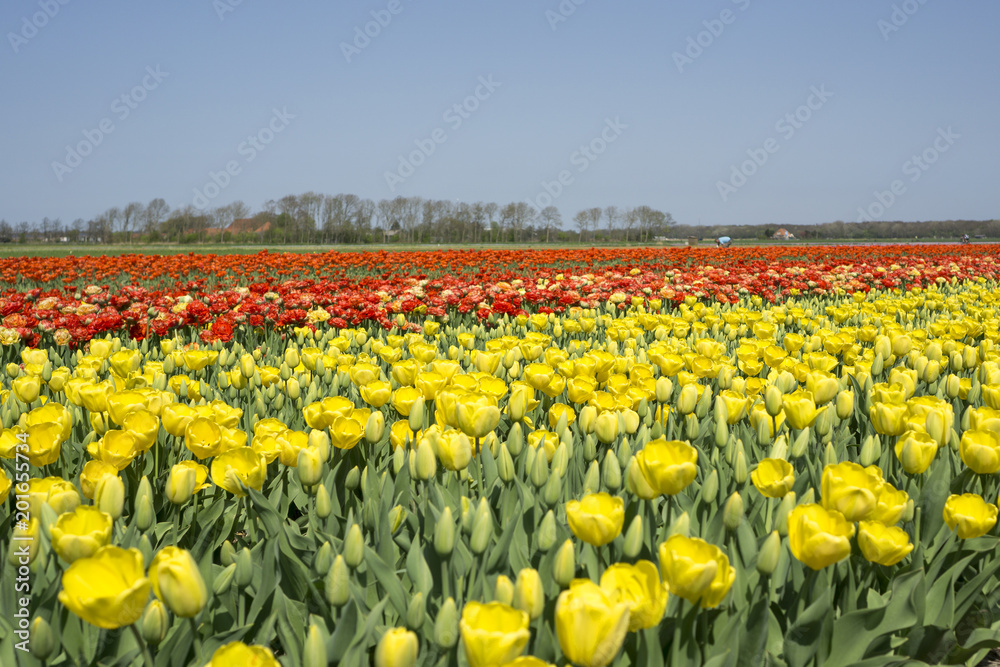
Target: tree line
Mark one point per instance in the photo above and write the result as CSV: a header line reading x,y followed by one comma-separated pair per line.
x,y
314,218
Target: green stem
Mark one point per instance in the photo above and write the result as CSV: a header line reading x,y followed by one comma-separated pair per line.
x,y
147,658
197,637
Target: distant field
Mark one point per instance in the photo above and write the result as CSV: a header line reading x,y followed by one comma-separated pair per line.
x,y
52,250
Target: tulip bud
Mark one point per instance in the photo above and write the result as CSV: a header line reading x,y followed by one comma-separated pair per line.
x,y
337,583
310,467
247,366
155,623
324,558
529,594
324,507
845,404
354,546
633,537
824,422
353,479
503,591
732,514
416,611
740,470
144,513
786,505
721,433
704,403
446,625
779,450
664,389
110,495
870,452
877,364
773,400
800,444
314,651
564,566
611,472
515,439
539,471
624,452
680,526
444,533
770,551
547,531
688,399
592,480
244,568
227,554
590,448
482,527
43,641
416,416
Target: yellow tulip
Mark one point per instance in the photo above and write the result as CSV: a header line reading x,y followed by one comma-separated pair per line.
x,y
400,432
590,625
453,449
851,489
108,589
819,537
493,634
477,414
991,395
667,466
177,581
580,389
429,383
529,594
176,417
980,450
889,418
969,515
398,647
143,426
346,432
26,388
52,412
376,393
984,419
237,468
736,405
203,438
885,545
773,477
639,587
403,398
890,505
125,361
80,533
800,409
916,451
695,570
557,411
91,475
606,427
823,386
238,654
597,519
44,443
5,484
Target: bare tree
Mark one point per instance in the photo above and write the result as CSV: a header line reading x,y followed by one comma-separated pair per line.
x,y
613,216
582,220
551,219
630,219
130,216
154,215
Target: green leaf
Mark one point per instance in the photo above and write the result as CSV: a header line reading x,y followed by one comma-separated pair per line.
x,y
387,578
855,632
266,512
802,638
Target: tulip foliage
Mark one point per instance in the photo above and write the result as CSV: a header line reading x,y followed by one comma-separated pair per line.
x,y
662,463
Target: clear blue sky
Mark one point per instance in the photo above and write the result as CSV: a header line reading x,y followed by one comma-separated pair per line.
x,y
682,125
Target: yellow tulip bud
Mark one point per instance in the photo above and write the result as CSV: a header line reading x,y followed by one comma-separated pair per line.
x,y
564,566
337,583
177,582
398,647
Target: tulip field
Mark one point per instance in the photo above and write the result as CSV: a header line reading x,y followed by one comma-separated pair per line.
x,y
664,457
